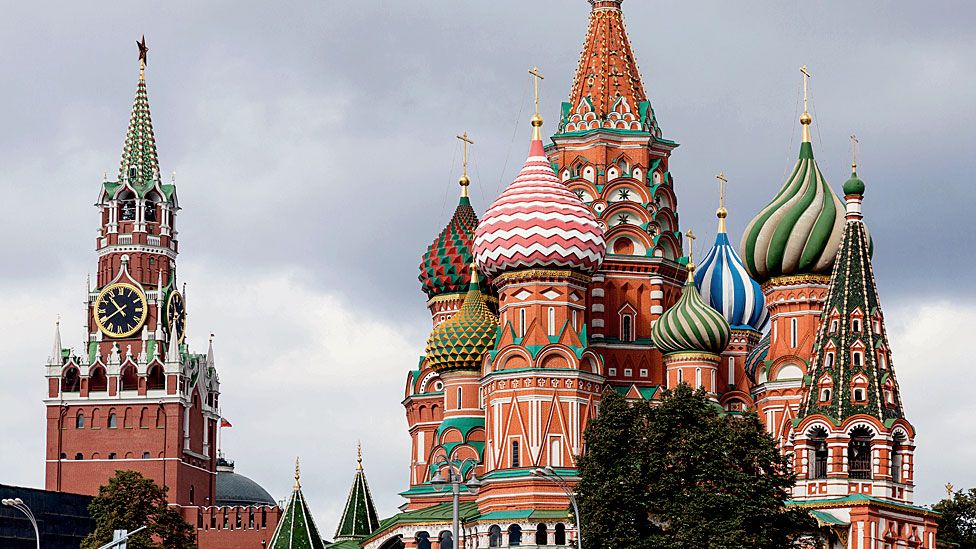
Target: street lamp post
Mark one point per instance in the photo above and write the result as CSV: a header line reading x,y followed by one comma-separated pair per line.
x,y
455,478
18,504
549,474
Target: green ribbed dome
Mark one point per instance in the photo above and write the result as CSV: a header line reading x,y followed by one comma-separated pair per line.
x,y
800,230
461,342
854,185
690,325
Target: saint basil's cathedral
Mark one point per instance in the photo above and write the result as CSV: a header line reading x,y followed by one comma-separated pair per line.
x,y
577,280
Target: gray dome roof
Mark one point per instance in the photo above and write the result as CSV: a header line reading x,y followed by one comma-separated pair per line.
x,y
233,489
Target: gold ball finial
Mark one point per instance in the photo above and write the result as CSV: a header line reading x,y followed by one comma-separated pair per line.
x,y
536,121
721,213
805,118
464,181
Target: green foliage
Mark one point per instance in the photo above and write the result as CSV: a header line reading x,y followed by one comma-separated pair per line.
x,y
683,475
129,501
957,525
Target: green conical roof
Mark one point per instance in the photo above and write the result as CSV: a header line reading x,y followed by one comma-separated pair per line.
x,y
852,323
799,231
359,518
691,325
461,342
296,530
139,150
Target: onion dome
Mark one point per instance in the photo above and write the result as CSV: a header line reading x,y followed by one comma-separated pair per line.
x,y
690,325
800,230
853,186
444,268
724,283
756,359
537,222
461,342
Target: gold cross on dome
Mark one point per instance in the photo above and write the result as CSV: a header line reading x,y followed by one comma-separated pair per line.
x,y
806,78
690,235
464,151
721,188
534,71
854,144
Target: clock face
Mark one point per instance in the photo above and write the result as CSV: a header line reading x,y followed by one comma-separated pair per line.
x,y
120,310
176,316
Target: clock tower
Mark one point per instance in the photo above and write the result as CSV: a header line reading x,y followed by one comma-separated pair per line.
x,y
135,398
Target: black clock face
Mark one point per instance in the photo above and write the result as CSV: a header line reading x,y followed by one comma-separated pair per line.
x,y
176,316
120,310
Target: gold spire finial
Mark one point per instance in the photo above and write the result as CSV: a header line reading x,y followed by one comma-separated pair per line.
x,y
359,455
721,213
854,144
298,474
464,181
536,118
475,278
950,489
690,235
143,55
805,118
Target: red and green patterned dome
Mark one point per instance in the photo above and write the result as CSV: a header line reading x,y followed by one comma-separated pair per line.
x,y
445,268
462,341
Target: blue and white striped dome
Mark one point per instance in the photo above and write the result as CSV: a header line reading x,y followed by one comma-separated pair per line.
x,y
725,284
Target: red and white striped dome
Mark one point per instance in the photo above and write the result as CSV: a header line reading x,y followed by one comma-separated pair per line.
x,y
538,222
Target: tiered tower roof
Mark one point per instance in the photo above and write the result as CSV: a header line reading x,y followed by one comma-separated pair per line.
x,y
461,342
851,353
139,149
608,90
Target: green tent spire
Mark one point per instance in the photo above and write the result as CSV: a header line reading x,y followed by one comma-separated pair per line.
x,y
296,530
140,164
359,518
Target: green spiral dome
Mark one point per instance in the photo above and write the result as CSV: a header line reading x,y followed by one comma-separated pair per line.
x,y
461,342
800,231
691,325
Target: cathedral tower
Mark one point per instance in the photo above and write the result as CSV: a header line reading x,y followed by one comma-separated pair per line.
x,y
136,398
854,447
540,245
725,284
789,247
610,152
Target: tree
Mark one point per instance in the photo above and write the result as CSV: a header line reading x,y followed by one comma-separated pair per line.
x,y
957,524
129,501
684,475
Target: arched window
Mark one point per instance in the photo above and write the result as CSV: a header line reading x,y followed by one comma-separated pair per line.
x,y
459,398
560,534
129,379
160,419
793,332
97,381
896,457
94,418
155,378
264,518
825,394
494,536
522,322
833,326
541,535
79,456
856,325
859,453
127,200
445,540
859,395
818,453
112,423
151,201
250,518
145,455
829,361
80,420
112,455
423,540
515,454
552,321
514,535
127,418
857,359
142,419
627,328
71,381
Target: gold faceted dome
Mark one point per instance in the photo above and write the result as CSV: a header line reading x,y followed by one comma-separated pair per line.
x,y
462,341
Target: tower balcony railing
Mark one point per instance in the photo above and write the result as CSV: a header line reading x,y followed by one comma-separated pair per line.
x,y
153,240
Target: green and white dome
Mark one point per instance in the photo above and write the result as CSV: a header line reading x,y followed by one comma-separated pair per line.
x,y
800,230
691,325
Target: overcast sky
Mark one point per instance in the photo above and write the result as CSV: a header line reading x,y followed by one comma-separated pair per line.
x,y
315,155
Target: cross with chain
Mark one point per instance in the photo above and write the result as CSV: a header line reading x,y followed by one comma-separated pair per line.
x,y
537,79
854,144
721,189
806,78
